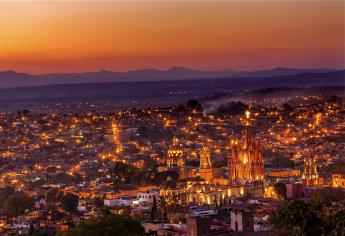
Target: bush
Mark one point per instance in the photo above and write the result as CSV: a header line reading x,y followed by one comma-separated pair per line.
x,y
108,225
17,204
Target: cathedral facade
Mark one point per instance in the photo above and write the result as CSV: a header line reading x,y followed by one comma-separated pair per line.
x,y
310,176
245,173
246,163
205,170
175,155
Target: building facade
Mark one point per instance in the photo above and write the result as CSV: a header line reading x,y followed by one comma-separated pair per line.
x,y
338,180
246,163
175,154
310,176
205,170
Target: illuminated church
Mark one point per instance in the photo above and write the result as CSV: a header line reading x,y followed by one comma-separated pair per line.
x,y
246,163
175,154
245,174
205,170
310,177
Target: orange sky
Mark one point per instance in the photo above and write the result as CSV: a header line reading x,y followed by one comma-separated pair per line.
x,y
40,37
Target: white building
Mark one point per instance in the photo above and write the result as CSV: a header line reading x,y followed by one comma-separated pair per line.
x,y
121,202
147,196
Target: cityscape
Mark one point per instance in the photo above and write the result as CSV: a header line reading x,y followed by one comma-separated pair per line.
x,y
91,144
175,169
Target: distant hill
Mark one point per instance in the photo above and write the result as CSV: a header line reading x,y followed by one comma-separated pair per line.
x,y
14,79
156,93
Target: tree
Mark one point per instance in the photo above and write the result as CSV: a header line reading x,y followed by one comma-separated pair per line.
x,y
17,204
32,228
194,104
220,203
121,210
280,189
167,179
65,178
154,209
69,202
180,108
165,214
52,195
98,202
327,197
287,108
336,223
297,218
176,202
5,193
108,225
125,174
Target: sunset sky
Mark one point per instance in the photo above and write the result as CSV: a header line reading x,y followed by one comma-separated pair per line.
x,y
48,36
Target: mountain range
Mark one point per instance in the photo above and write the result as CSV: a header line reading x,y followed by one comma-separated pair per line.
x,y
10,79
154,93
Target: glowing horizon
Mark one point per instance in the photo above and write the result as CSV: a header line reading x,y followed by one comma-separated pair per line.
x,y
44,37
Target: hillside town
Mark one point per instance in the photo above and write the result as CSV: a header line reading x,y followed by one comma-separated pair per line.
x,y
178,170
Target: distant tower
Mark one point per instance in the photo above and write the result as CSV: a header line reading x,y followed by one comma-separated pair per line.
x,y
246,163
205,169
310,176
175,154
310,169
205,158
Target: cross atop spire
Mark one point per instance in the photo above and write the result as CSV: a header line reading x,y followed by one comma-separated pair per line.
x,y
248,129
175,141
205,158
246,162
248,117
